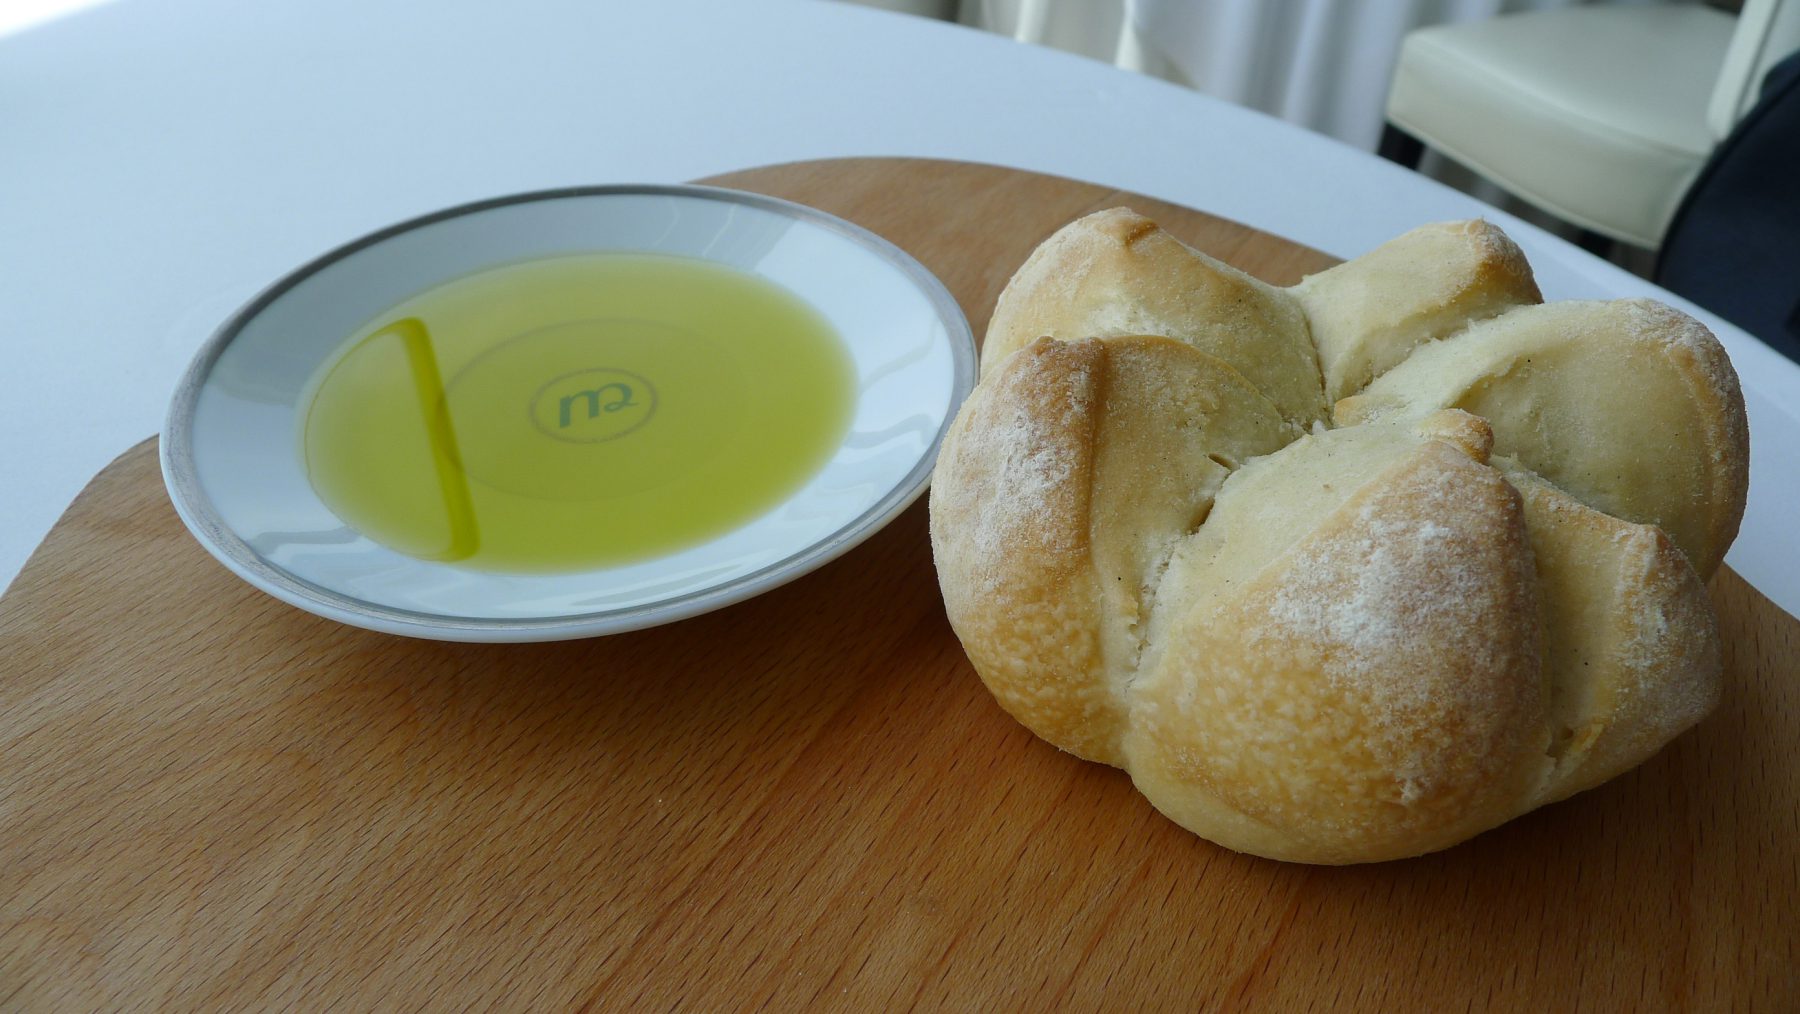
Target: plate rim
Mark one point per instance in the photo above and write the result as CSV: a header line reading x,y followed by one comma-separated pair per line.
x,y
180,475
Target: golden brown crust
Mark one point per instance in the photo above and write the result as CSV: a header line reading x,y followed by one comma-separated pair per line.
x,y
1060,491
1009,531
1351,644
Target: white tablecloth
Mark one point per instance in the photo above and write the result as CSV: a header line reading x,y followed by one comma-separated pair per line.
x,y
163,159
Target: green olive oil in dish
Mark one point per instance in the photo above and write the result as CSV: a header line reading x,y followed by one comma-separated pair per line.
x,y
576,412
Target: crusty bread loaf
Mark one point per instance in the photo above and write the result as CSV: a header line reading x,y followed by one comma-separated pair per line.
x,y
1478,593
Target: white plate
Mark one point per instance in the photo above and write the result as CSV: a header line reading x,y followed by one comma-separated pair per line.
x,y
230,458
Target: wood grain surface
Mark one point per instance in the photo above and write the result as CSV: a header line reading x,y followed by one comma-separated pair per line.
x,y
210,799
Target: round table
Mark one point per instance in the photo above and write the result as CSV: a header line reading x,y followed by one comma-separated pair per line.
x,y
165,159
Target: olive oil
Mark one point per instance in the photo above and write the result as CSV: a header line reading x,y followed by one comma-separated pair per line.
x,y
576,411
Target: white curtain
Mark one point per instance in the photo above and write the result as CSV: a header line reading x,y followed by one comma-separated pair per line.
x,y
1323,64
1088,27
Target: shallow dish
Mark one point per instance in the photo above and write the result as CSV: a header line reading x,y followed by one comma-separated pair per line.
x,y
231,448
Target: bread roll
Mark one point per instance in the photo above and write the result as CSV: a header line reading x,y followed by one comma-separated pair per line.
x,y
1478,593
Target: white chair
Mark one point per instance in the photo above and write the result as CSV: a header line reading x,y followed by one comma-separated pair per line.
x,y
1599,115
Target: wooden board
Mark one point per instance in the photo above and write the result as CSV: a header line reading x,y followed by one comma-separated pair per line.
x,y
208,798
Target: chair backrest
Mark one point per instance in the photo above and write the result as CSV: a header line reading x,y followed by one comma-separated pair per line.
x,y
1767,30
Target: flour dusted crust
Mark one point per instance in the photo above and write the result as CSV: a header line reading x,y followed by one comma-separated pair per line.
x,y
1479,593
1304,687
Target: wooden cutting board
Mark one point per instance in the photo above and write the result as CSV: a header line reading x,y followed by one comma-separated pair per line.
x,y
209,798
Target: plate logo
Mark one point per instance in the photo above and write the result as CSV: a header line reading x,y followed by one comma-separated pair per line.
x,y
594,405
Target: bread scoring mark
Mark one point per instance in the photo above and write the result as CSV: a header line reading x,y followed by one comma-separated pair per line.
x,y
1140,229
